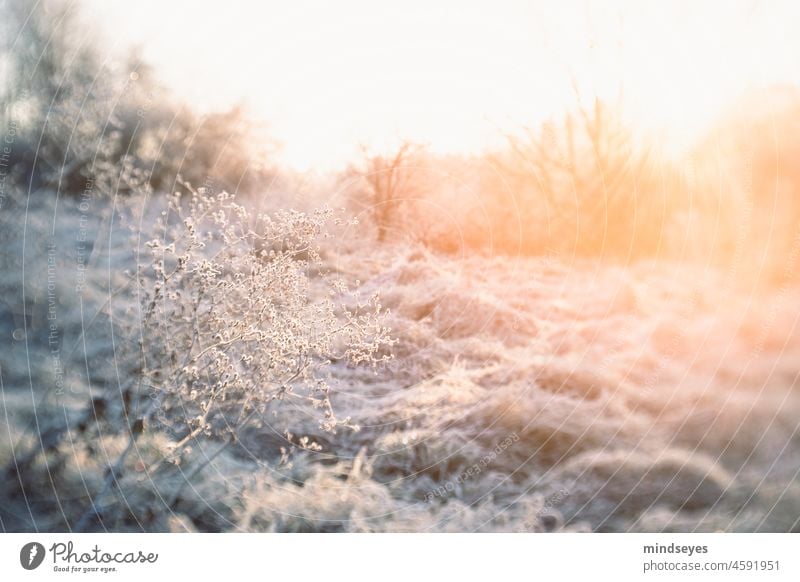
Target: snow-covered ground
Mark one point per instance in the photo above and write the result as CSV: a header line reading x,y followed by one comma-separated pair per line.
x,y
525,394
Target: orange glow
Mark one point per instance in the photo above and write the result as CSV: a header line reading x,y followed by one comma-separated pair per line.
x,y
329,76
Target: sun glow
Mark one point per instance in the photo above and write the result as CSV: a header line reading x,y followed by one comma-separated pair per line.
x,y
330,76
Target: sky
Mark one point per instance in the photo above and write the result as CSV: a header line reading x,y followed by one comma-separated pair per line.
x,y
328,77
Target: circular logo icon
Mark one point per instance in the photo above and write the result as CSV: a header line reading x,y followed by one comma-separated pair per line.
x,y
31,555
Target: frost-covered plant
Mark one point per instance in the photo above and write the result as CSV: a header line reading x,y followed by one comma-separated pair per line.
x,y
232,323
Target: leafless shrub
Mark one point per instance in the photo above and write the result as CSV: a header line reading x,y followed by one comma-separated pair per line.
x,y
389,185
585,186
74,114
231,325
745,213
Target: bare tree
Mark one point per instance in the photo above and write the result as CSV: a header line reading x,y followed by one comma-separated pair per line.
x,y
388,179
597,186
